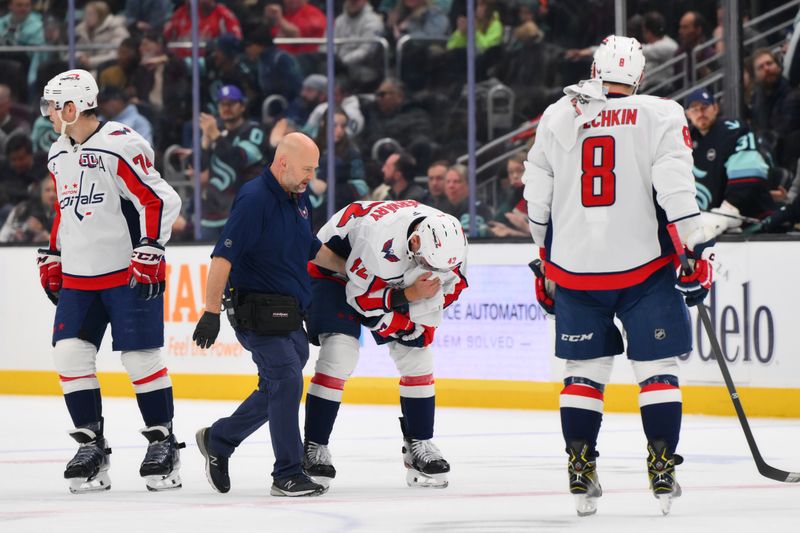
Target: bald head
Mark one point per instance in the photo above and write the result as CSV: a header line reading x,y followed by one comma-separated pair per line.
x,y
296,162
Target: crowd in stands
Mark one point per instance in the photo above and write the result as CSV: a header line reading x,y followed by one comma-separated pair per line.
x,y
398,134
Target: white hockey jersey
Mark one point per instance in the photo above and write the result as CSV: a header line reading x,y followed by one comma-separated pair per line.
x,y
599,200
109,195
379,263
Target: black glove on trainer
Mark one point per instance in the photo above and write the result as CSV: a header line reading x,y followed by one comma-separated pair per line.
x,y
207,330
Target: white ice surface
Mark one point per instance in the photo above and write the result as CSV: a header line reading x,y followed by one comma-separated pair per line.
x,y
508,474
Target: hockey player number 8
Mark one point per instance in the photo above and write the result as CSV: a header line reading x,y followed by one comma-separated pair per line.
x,y
598,181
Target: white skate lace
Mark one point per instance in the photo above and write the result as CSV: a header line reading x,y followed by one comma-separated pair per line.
x,y
318,454
425,451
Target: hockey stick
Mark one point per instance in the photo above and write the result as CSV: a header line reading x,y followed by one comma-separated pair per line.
x,y
749,220
763,468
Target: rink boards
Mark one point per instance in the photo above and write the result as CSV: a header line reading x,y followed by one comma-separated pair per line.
x,y
494,348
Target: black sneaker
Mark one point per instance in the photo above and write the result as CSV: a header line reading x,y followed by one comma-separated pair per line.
x,y
297,485
216,465
583,481
661,472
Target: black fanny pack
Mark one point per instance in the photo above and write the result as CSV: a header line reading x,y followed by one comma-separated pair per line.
x,y
267,314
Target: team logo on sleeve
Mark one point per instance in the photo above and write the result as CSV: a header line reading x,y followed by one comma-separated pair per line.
x,y
388,253
121,131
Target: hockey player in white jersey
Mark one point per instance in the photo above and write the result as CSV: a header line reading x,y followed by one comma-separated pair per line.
x,y
105,265
608,171
404,266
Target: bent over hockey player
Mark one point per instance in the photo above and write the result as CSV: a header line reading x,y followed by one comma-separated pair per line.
x,y
105,265
608,171
403,268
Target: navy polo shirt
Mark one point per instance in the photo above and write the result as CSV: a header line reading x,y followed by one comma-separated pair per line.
x,y
268,240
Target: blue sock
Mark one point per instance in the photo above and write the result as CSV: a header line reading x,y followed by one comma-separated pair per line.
x,y
84,406
156,406
418,414
320,417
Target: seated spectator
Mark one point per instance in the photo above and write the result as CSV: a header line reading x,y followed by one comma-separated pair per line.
x,y
658,48
22,27
232,155
297,18
488,28
30,221
10,123
436,173
418,18
456,190
161,82
113,104
776,105
120,73
43,135
398,174
691,34
313,92
99,26
358,19
391,116
274,70
511,219
349,103
214,20
20,172
224,66
730,173
348,169
145,15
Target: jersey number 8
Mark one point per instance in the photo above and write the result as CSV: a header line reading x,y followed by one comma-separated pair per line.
x,y
598,181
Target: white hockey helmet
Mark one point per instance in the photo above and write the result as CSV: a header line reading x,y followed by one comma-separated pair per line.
x,y
619,60
77,86
442,243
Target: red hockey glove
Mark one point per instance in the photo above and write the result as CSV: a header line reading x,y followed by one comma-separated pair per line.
x,y
545,289
421,336
148,269
695,285
49,262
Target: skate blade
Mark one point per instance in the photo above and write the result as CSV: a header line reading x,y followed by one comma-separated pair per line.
x,y
159,483
98,483
415,478
585,505
274,491
665,501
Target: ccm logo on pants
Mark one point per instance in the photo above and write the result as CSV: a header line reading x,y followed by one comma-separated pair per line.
x,y
577,338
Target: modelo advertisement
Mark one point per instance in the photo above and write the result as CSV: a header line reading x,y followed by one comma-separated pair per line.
x,y
494,331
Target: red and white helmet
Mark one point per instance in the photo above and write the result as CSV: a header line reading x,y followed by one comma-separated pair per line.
x,y
619,60
442,243
77,86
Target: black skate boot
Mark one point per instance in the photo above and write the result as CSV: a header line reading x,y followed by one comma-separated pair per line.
x,y
88,470
298,485
161,465
216,465
317,463
583,481
425,464
661,471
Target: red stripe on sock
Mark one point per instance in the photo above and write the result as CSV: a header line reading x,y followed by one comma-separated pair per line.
x,y
329,382
416,381
65,378
658,386
583,390
151,377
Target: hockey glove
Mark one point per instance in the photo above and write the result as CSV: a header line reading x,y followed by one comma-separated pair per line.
x,y
695,285
545,289
420,337
148,269
207,329
49,262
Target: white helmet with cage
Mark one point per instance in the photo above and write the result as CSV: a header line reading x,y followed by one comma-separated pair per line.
x,y
77,86
619,60
442,243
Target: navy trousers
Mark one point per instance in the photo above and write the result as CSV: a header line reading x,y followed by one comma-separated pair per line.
x,y
280,361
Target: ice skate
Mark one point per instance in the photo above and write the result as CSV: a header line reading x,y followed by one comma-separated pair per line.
x,y
298,485
583,481
425,464
161,465
88,470
216,465
661,471
317,463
